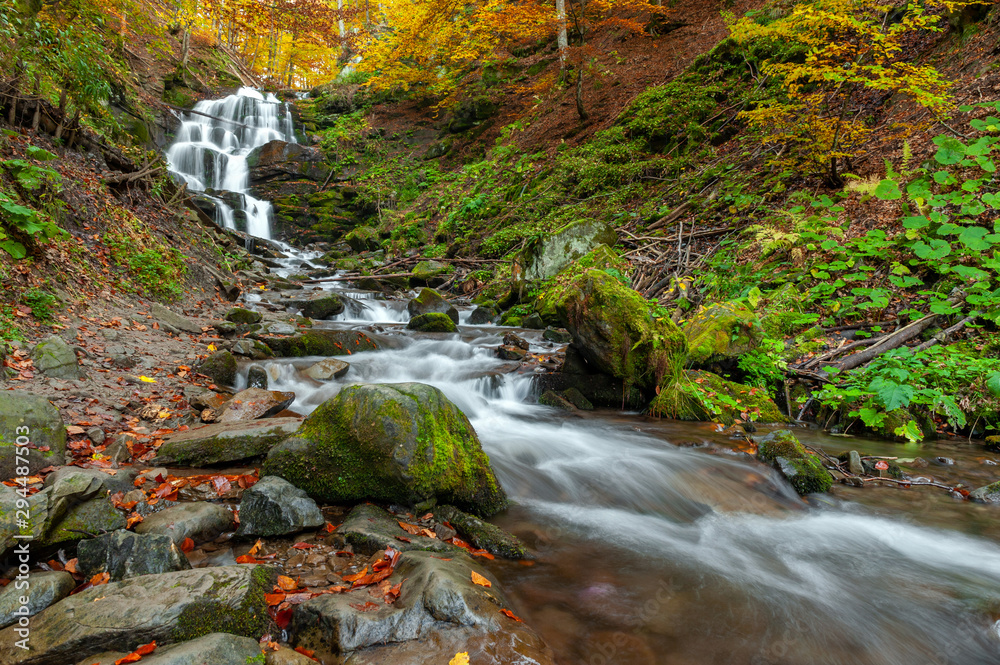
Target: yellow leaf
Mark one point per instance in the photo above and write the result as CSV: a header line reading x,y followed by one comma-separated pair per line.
x,y
460,659
146,379
480,580
211,347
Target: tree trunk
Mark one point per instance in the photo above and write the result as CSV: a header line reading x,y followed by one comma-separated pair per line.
x,y
185,47
562,38
579,94
340,29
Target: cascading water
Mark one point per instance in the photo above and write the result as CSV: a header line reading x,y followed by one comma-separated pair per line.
x,y
210,154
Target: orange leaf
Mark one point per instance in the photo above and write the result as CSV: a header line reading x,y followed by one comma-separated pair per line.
x,y
256,547
287,583
305,652
356,576
131,658
146,649
99,579
510,614
329,528
411,529
187,545
71,566
133,519
246,558
273,598
480,580
302,546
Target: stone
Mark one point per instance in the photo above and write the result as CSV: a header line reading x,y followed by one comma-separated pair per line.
x,y
402,443
577,399
54,358
282,161
614,328
327,369
25,415
370,529
430,273
96,435
429,301
124,554
511,338
555,400
322,307
286,656
322,343
854,463
275,507
363,238
564,246
166,608
511,353
168,316
690,395
251,348
721,333
44,589
557,336
256,377
243,316
801,468
482,535
117,451
533,322
91,482
199,521
254,403
212,649
482,316
988,494
433,322
439,613
221,367
277,328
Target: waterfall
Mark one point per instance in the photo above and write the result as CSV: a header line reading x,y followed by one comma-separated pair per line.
x,y
210,152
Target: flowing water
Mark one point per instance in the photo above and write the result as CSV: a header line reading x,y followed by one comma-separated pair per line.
x,y
660,542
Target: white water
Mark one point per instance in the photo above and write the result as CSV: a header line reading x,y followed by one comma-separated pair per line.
x,y
210,153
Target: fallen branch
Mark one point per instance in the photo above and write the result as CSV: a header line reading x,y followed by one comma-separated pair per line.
x,y
947,333
887,343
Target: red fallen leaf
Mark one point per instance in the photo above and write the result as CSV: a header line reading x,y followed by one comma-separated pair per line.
x,y
246,558
308,653
427,517
356,576
411,529
404,539
139,481
283,618
302,546
482,553
164,490
274,598
187,545
508,613
221,485
146,649
367,607
131,658
329,528
374,578
160,479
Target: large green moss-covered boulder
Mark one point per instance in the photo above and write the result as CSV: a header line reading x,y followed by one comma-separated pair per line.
x,y
803,469
703,396
321,343
36,420
400,443
430,273
721,332
614,327
221,366
433,322
429,301
564,246
362,238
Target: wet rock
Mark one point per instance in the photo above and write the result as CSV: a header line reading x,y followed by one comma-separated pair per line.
x,y
402,443
363,238
117,451
679,398
430,273
722,332
286,656
91,482
166,608
252,348
254,403
433,323
21,412
854,463
483,315
988,494
555,400
257,377
213,649
322,307
243,316
281,161
577,399
429,301
200,522
370,529
613,327
565,246
44,589
171,318
533,322
54,358
511,353
483,535
513,339
557,336
275,507
325,370
96,435
221,367
123,554
321,343
277,328
801,468
439,613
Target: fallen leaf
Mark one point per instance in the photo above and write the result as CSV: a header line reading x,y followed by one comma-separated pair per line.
x,y
187,545
274,598
283,618
131,658
71,566
74,430
411,529
246,558
99,579
256,547
480,580
510,614
287,583
133,519
302,546
461,658
146,379
146,649
329,528
356,576
308,653
367,607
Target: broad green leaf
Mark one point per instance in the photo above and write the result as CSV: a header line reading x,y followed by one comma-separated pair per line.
x,y
888,190
933,249
993,383
892,395
950,151
910,431
975,239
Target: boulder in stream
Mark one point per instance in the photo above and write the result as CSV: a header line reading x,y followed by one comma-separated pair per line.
x,y
242,316
803,469
257,377
694,395
433,322
254,403
321,343
402,443
322,306
224,442
429,301
123,554
988,494
221,367
327,369
275,507
562,247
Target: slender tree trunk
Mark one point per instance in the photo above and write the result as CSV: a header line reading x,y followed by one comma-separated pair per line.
x,y
579,94
340,28
562,39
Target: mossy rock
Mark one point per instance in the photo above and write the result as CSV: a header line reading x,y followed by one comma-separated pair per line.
x,y
801,468
434,322
899,418
321,343
221,367
396,443
20,413
720,332
993,443
363,238
429,301
430,273
483,535
614,327
562,247
704,396
241,316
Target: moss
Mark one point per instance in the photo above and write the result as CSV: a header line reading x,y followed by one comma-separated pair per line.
x,y
803,470
701,395
719,331
250,619
221,366
432,322
321,343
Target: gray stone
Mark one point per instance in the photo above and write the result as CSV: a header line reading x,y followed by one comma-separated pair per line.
x,y
440,612
277,328
200,522
92,482
256,377
221,367
166,608
43,590
564,246
213,649
117,451
53,357
243,316
370,529
533,322
171,318
557,336
275,507
482,535
124,554
225,442
22,412
254,403
429,301
96,435
286,656
327,369
482,316
252,348
555,400
988,494
854,463
321,307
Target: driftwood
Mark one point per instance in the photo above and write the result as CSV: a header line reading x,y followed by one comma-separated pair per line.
x,y
945,334
887,343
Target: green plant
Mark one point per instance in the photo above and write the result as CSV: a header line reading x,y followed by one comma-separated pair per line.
x,y
764,367
42,304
